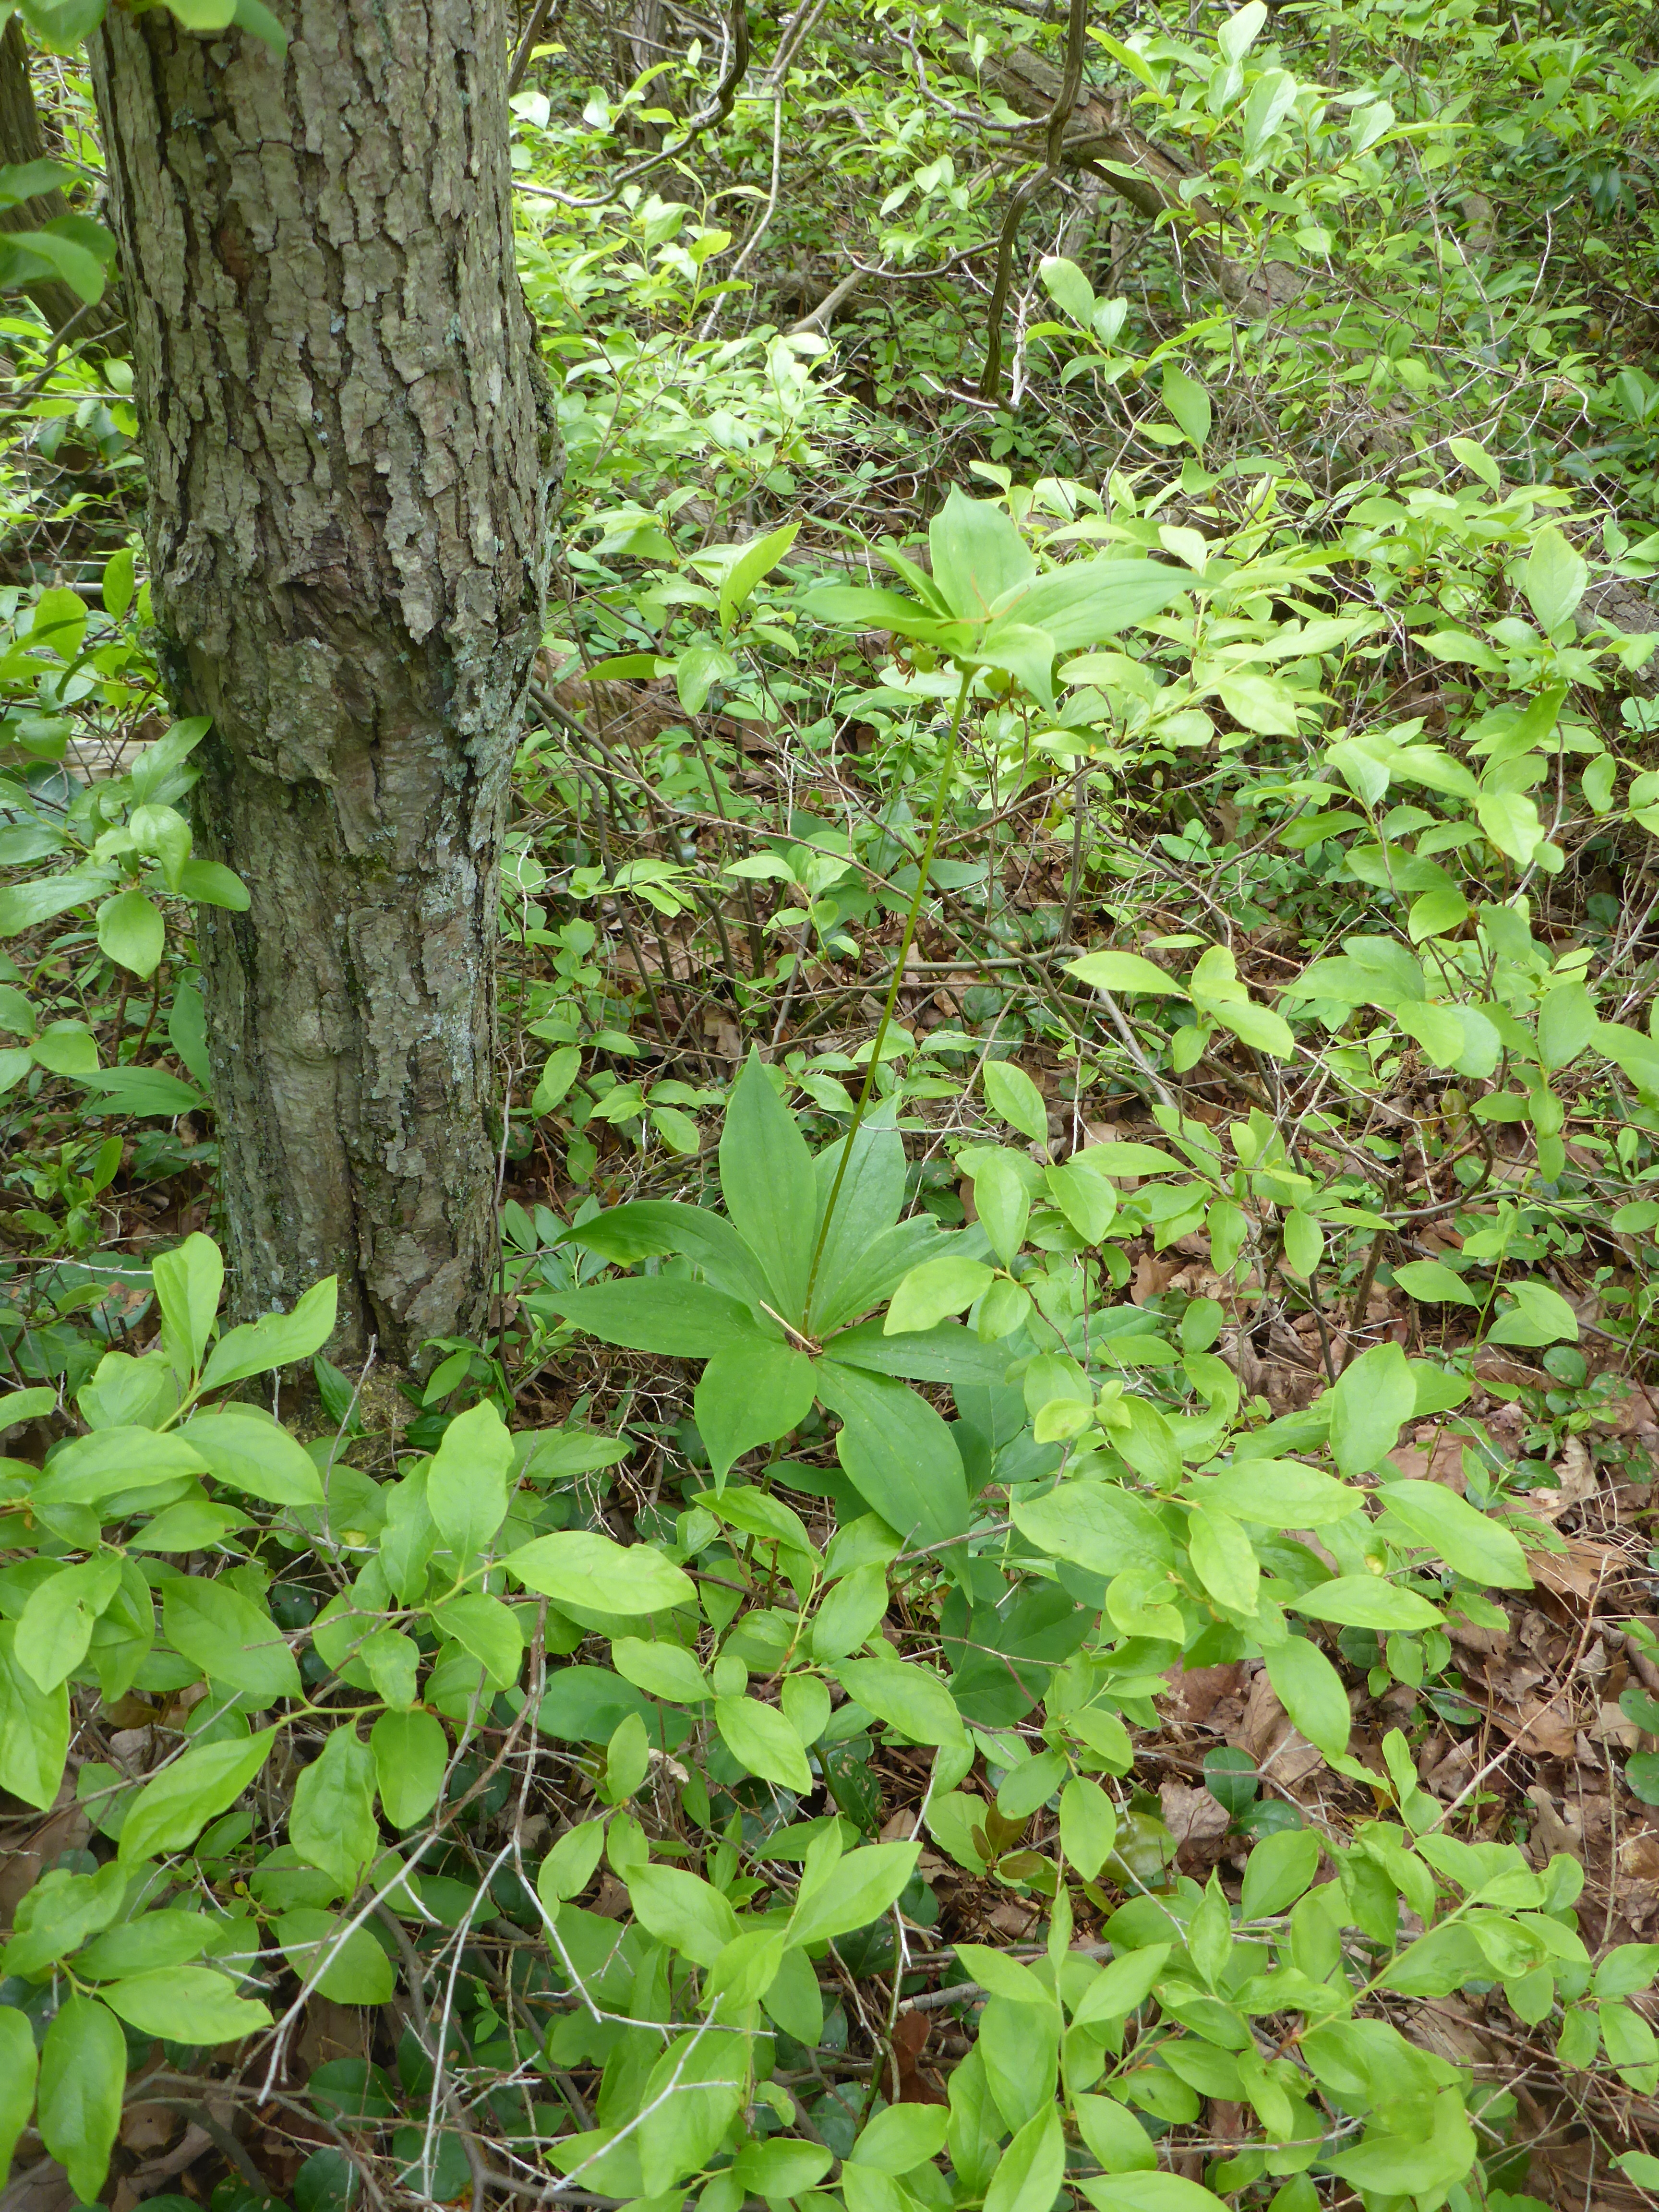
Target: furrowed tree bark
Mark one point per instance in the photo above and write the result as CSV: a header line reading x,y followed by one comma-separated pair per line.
x,y
350,457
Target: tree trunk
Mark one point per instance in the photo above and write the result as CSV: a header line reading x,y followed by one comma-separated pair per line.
x,y
21,142
350,455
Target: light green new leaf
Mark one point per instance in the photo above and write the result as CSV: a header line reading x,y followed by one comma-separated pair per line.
x,y
1367,1602
55,1625
1225,1559
410,1751
1539,1316
1262,1029
1510,820
1554,578
132,933
762,1740
902,2137
1433,1283
486,1628
245,1450
907,1696
1084,1195
1122,1985
751,1394
187,2004
1011,1095
17,2072
568,1867
1125,971
851,1892
1188,403
33,1729
1282,1493
933,1291
579,1567
172,1809
1469,1541
677,1908
331,1824
1002,1199
229,1636
1375,1394
275,1339
1088,1826
1310,1690
978,555
83,2074
466,1480
188,1283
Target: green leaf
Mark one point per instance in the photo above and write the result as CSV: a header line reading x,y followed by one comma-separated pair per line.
x,y
898,1454
568,1867
411,1751
909,1697
1468,1541
1189,404
139,1091
579,1567
88,1469
33,1729
756,561
761,1740
466,1480
189,2004
275,1339
677,1908
935,1289
23,905
1367,1602
347,1966
559,1071
1437,914
978,555
1282,1493
1310,1690
769,1188
1151,2191
132,933
331,1822
83,2074
1262,1029
230,1638
751,1394
248,1451
55,1625
1278,1870
1374,1395
1013,1097
1538,1315
1125,971
1103,1527
1511,821
1002,1199
1272,98
17,2072
851,1893
210,883
947,1352
651,1313
661,1670
1567,1023
1029,2172
189,1281
1068,287
1088,1826
172,1809
1225,1559
1555,579
486,1628
780,2168
1434,1284
117,582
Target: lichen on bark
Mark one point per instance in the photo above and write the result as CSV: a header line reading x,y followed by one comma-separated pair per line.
x,y
349,460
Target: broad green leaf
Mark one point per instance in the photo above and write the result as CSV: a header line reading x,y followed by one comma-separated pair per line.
x,y
1567,1023
188,1280
1554,578
466,1480
1125,971
1310,1690
1282,1493
947,1352
1068,287
1277,1871
1002,1200
579,1566
1116,2139
83,2073
654,1313
1434,1284
33,1729
1083,1196
898,1454
245,1450
1538,1315
1011,1094
486,1628
411,1751
1101,1526
769,1188
1225,1559
1510,820
756,561
172,1809
1088,1826
780,2168
1272,98
230,1638
1437,914
661,1670
1470,1542
275,1339
1123,1984
1188,403
23,905
851,1611
188,2004
87,1470
17,2072
761,1740
644,1229
678,1908
332,1823
1262,1029
751,1394
1029,2172
1152,2191
851,1893
978,555
1367,1602
907,1696
568,1867
934,1290
1375,1394
347,1966
55,1625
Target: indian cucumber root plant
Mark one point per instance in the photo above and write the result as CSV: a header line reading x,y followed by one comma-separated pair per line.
x,y
829,1071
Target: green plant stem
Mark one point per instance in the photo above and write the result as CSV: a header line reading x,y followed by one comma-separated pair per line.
x,y
910,920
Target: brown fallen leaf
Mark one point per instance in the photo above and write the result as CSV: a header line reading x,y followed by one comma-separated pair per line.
x,y
1192,1816
1267,1734
1194,1691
